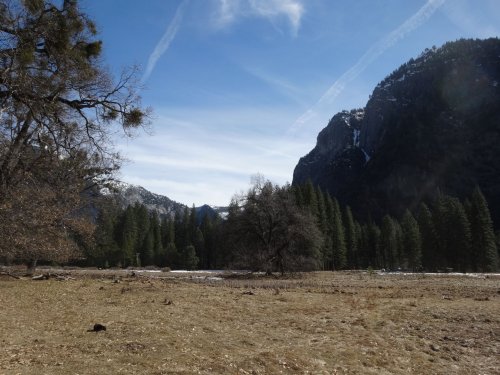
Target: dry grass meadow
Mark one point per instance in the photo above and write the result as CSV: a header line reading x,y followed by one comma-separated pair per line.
x,y
318,323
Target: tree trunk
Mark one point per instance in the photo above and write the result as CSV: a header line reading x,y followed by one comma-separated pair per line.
x,y
31,266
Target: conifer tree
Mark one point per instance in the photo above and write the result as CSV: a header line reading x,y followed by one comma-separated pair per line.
x,y
484,255
324,227
207,229
128,238
454,236
58,107
373,245
148,253
339,259
310,198
105,248
320,198
173,257
359,254
389,252
193,223
350,238
142,221
199,245
429,238
189,258
158,250
299,198
364,251
412,242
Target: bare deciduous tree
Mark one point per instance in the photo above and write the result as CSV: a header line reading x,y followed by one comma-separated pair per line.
x,y
269,232
58,107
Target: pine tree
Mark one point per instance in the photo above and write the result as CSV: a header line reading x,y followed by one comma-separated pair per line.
x,y
199,245
320,198
454,236
128,238
484,249
359,253
193,223
189,258
158,250
339,259
59,107
106,248
142,221
412,242
389,252
297,190
208,231
350,238
373,245
173,257
148,254
364,253
429,238
324,227
310,198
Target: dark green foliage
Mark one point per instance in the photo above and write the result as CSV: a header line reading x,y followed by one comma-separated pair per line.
x,y
189,258
339,259
267,230
389,255
454,235
351,239
428,237
484,256
412,243
373,245
105,247
310,198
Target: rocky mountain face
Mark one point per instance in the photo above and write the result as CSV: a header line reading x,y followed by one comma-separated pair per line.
x,y
431,126
127,194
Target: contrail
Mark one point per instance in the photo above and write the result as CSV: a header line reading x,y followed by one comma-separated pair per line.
x,y
165,40
371,55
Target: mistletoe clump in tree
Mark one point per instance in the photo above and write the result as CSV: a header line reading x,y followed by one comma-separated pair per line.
x,y
58,106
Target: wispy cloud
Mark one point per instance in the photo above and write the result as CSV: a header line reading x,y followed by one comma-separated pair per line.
x,y
377,49
166,40
475,21
279,84
228,11
188,144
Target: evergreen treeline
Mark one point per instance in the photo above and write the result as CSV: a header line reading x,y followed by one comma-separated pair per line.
x,y
136,237
445,235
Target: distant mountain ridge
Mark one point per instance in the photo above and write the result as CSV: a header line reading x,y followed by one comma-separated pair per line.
x,y
128,194
433,125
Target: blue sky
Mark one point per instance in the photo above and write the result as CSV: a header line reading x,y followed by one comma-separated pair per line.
x,y
240,87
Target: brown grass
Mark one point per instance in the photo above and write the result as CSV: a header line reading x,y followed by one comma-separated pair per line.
x,y
319,323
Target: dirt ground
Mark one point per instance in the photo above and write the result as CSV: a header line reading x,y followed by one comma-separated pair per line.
x,y
317,323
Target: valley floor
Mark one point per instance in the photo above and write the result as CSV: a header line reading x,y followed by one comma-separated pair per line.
x,y
316,323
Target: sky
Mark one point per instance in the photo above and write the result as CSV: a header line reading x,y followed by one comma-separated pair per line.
x,y
240,87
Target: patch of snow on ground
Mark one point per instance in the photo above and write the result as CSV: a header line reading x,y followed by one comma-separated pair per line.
x,y
145,271
475,275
